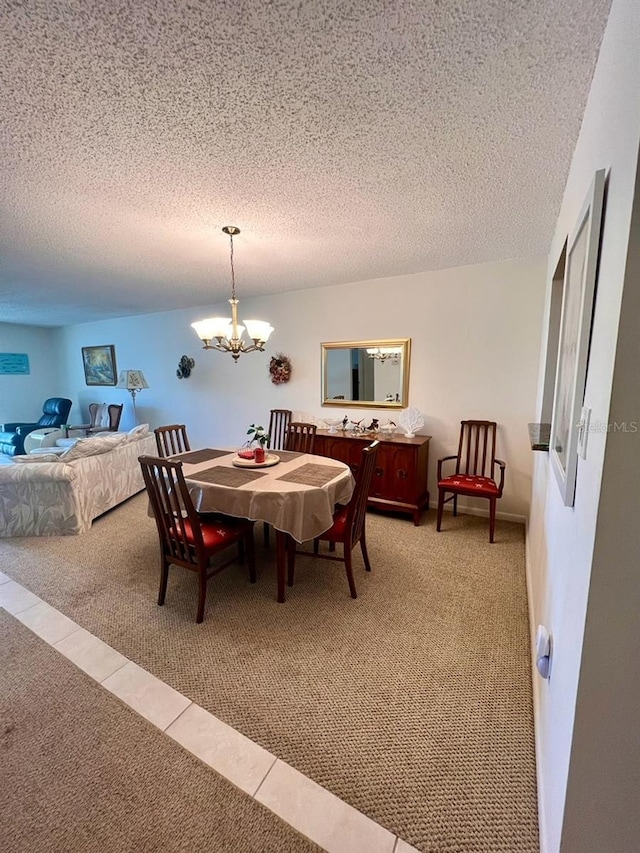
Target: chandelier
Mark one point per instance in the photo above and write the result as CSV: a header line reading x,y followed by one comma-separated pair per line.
x,y
383,353
226,331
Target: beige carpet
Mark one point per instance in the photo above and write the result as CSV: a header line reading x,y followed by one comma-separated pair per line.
x,y
81,772
412,703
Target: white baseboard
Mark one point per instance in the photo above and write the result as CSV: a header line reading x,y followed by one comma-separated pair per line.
x,y
535,681
482,513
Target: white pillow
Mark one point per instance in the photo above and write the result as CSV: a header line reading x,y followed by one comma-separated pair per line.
x,y
92,447
113,439
138,432
66,442
38,457
100,413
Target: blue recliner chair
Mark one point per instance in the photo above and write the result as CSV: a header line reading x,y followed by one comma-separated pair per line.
x,y
12,435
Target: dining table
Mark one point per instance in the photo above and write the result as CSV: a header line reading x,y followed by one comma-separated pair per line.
x,y
296,493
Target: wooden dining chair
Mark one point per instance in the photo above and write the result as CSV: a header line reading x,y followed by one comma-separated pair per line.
x,y
97,420
279,421
99,423
349,524
301,437
172,439
186,538
475,474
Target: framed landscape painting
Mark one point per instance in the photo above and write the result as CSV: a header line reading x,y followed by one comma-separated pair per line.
x,y
575,334
99,365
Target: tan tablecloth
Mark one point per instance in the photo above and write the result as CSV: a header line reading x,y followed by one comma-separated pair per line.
x,y
302,509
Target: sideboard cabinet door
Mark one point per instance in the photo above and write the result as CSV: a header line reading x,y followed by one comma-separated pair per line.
x,y
400,477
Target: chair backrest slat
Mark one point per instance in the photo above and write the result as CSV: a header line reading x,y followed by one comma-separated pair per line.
x,y
176,518
475,431
94,408
115,413
493,448
476,448
301,437
278,428
171,513
172,439
358,503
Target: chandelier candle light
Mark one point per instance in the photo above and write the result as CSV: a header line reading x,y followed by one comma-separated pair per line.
x,y
226,332
383,353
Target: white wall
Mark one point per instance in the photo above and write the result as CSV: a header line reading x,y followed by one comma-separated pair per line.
x,y
475,341
339,373
22,396
565,582
387,378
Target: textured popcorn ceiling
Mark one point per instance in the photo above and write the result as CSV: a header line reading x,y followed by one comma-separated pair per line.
x,y
348,139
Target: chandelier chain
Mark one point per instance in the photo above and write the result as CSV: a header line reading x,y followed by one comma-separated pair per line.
x,y
233,274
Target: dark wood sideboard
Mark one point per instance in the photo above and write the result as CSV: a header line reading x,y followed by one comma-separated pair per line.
x,y
400,476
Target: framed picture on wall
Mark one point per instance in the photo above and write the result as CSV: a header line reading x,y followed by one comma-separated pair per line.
x,y
16,363
99,365
575,333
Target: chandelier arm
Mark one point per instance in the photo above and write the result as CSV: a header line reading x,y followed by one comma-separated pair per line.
x,y
238,347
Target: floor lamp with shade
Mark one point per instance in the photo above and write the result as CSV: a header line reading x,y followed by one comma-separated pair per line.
x,y
133,381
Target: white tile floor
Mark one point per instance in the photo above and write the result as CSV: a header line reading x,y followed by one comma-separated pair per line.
x,y
239,759
315,812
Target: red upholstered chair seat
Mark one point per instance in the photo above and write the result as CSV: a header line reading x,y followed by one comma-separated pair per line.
x,y
214,535
336,533
469,484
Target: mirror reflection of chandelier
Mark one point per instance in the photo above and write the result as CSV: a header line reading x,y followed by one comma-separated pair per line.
x,y
383,353
226,331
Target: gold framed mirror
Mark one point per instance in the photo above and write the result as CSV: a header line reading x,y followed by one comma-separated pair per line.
x,y
366,374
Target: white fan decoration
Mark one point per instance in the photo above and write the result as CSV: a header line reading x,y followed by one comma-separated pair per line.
x,y
411,420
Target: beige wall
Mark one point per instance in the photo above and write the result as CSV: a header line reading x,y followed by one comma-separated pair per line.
x,y
475,334
583,560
